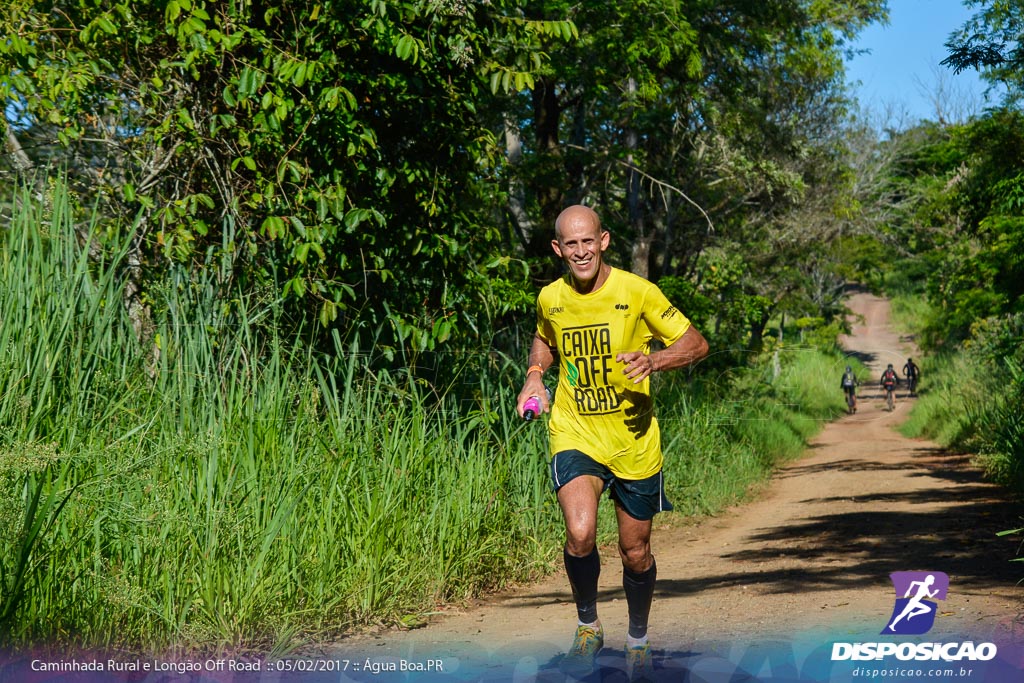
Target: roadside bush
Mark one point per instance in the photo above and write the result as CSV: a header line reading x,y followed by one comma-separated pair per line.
x,y
970,400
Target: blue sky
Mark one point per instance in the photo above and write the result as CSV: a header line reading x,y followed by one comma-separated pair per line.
x,y
904,55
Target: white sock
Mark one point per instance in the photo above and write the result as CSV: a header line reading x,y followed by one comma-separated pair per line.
x,y
635,642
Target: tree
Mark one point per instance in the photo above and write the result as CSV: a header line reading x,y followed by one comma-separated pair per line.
x,y
334,148
951,202
990,42
348,154
691,125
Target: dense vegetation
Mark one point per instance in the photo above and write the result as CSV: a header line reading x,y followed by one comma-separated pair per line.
x,y
393,169
954,239
268,273
247,491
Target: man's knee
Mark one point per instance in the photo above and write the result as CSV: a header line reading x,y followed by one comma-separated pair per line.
x,y
580,542
636,556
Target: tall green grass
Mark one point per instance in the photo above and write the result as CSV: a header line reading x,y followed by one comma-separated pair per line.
x,y
975,408
231,489
950,383
241,491
970,396
949,392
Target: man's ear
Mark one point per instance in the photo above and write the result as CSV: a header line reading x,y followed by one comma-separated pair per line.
x,y
557,247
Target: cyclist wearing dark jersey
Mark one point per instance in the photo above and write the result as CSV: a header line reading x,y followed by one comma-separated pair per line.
x,y
912,373
848,384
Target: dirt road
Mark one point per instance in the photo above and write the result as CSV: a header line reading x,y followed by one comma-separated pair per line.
x,y
810,556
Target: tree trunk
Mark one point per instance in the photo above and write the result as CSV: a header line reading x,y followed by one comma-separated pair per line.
x,y
547,111
22,162
575,164
641,260
522,224
641,255
139,313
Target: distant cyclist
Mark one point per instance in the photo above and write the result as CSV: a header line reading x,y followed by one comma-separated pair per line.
x,y
912,373
849,385
888,382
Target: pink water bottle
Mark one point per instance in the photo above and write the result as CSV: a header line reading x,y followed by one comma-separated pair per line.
x,y
531,408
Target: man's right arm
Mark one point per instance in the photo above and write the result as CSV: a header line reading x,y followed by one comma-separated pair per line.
x,y
542,357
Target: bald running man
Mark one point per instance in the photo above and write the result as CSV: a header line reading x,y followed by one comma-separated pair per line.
x,y
598,322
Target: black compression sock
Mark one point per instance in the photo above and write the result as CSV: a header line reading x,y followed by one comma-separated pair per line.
x,y
583,573
639,593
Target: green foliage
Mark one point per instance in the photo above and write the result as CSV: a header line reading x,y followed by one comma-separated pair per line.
x,y
1000,428
243,491
693,127
979,271
957,236
336,150
346,155
697,301
971,400
33,482
233,489
949,385
722,304
818,335
910,312
990,42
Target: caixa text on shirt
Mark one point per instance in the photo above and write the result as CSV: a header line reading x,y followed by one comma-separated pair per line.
x,y
589,367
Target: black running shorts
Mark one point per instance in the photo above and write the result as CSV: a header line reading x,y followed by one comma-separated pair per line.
x,y
640,498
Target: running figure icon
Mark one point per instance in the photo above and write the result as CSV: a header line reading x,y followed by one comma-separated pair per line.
x,y
916,607
914,613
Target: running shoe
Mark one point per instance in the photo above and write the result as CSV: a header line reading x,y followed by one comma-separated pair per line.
x,y
639,666
579,661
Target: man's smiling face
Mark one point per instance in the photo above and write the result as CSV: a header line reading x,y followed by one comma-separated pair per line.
x,y
580,244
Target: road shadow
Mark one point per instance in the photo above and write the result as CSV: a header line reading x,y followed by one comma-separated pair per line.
x,y
863,357
670,666
951,529
960,538
882,542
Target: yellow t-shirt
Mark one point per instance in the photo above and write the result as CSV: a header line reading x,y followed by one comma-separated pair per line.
x,y
597,409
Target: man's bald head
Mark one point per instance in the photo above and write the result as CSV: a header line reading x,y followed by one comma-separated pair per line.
x,y
577,215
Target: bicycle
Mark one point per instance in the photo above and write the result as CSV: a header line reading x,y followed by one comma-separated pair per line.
x,y
851,402
889,380
911,372
890,397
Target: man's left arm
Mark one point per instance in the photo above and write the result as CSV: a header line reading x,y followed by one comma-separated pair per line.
x,y
686,350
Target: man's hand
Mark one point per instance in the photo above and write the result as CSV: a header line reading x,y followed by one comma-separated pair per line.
x,y
542,356
688,349
534,386
638,365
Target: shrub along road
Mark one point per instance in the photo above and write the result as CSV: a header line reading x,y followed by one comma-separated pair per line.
x,y
810,555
